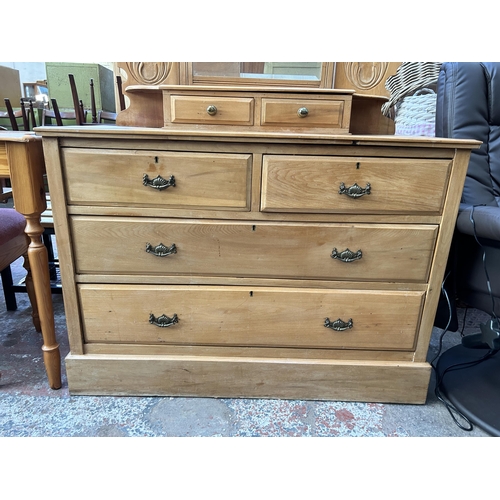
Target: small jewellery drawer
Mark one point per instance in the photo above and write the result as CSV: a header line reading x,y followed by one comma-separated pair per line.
x,y
157,178
245,316
316,184
305,113
373,252
211,110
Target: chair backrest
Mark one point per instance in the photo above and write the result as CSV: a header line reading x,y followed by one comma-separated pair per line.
x,y
31,116
106,116
121,96
77,103
468,107
14,115
97,116
58,116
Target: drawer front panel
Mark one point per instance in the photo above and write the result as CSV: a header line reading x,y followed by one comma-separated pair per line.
x,y
353,185
302,113
121,178
211,110
245,316
105,245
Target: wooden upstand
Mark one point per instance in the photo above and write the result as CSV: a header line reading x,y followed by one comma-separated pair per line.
x,y
241,263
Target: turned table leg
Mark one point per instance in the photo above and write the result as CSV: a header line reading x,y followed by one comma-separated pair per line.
x,y
27,167
30,288
39,263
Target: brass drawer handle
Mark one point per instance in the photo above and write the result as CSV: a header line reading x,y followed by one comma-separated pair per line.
x,y
338,325
346,255
302,112
354,191
163,321
161,250
158,182
212,110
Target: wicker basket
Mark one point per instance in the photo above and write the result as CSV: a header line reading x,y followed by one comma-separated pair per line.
x,y
416,114
409,77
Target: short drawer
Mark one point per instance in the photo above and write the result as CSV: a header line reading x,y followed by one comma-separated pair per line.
x,y
310,113
245,316
315,184
360,252
208,110
164,179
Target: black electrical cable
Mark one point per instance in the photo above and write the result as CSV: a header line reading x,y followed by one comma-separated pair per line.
x,y
453,411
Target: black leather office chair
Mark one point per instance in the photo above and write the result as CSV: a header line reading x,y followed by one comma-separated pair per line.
x,y
468,106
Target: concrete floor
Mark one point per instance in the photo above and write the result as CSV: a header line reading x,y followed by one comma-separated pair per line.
x,y
29,408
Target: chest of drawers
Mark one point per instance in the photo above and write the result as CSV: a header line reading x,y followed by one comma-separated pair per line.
x,y
250,264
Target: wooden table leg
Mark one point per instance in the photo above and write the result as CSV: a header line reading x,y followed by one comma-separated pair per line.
x,y
30,289
27,168
39,263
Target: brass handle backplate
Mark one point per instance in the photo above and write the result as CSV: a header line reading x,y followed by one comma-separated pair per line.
x,y
346,255
212,110
354,191
163,321
161,250
158,182
338,325
302,112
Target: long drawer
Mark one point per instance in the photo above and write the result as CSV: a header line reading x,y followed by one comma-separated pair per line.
x,y
152,178
112,245
315,184
245,316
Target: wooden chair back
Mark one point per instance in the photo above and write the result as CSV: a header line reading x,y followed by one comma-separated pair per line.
x,y
14,115
58,116
97,116
106,116
121,96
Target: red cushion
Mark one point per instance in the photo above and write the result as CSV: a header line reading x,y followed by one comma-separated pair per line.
x,y
12,224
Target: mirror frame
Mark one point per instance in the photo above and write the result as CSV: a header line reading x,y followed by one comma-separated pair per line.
x,y
188,78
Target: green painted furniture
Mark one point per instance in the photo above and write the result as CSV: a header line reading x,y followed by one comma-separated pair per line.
x,y
59,87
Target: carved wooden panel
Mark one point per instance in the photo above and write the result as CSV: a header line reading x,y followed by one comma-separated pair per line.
x,y
147,73
364,77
